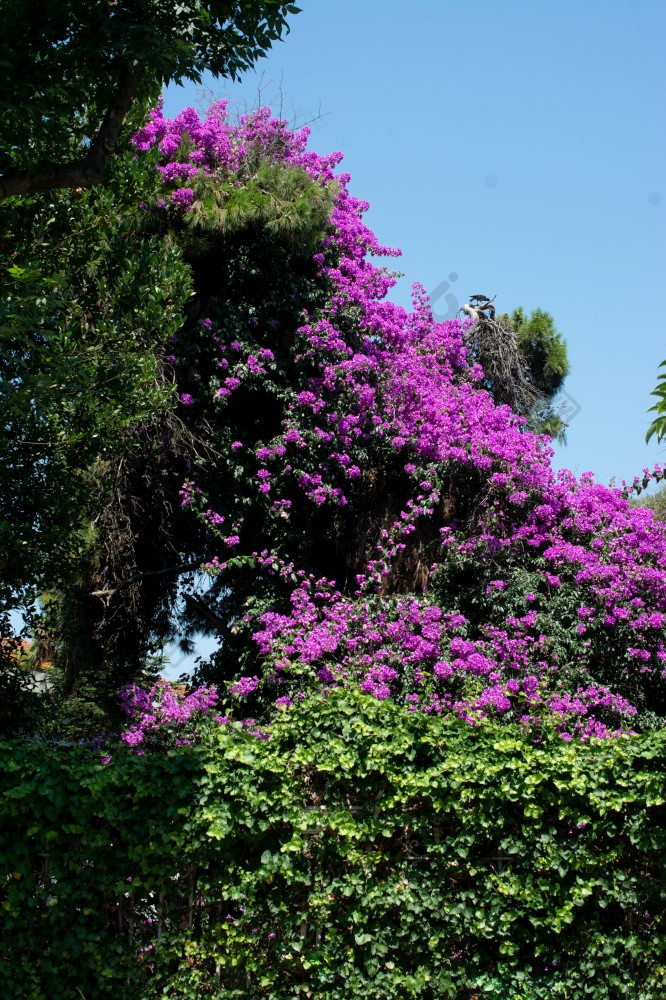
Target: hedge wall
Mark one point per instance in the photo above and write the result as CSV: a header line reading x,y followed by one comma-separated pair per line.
x,y
359,851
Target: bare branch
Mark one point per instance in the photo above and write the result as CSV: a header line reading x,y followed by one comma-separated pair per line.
x,y
89,170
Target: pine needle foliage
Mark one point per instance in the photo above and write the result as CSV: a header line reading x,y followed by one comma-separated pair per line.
x,y
544,354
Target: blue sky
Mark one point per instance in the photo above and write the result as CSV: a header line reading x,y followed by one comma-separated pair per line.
x,y
511,148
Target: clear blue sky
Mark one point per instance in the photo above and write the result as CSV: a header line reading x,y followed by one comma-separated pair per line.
x,y
517,146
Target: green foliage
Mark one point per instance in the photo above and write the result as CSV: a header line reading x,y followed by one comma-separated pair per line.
x,y
21,707
87,310
359,850
544,351
543,348
278,205
658,425
62,62
284,201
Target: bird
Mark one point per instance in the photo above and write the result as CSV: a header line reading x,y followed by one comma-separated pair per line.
x,y
478,306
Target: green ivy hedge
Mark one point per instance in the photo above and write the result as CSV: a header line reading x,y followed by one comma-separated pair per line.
x,y
361,851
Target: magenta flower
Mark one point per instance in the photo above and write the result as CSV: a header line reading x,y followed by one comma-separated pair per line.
x,y
183,197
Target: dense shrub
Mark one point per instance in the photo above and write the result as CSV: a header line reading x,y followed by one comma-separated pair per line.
x,y
380,520
360,848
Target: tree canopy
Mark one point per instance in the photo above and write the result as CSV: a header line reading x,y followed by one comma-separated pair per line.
x,y
72,71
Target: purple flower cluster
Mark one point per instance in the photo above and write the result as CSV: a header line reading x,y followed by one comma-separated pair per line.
x,y
163,707
565,582
189,147
245,686
416,652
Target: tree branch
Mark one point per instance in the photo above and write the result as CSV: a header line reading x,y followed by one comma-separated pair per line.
x,y
90,170
142,576
207,613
